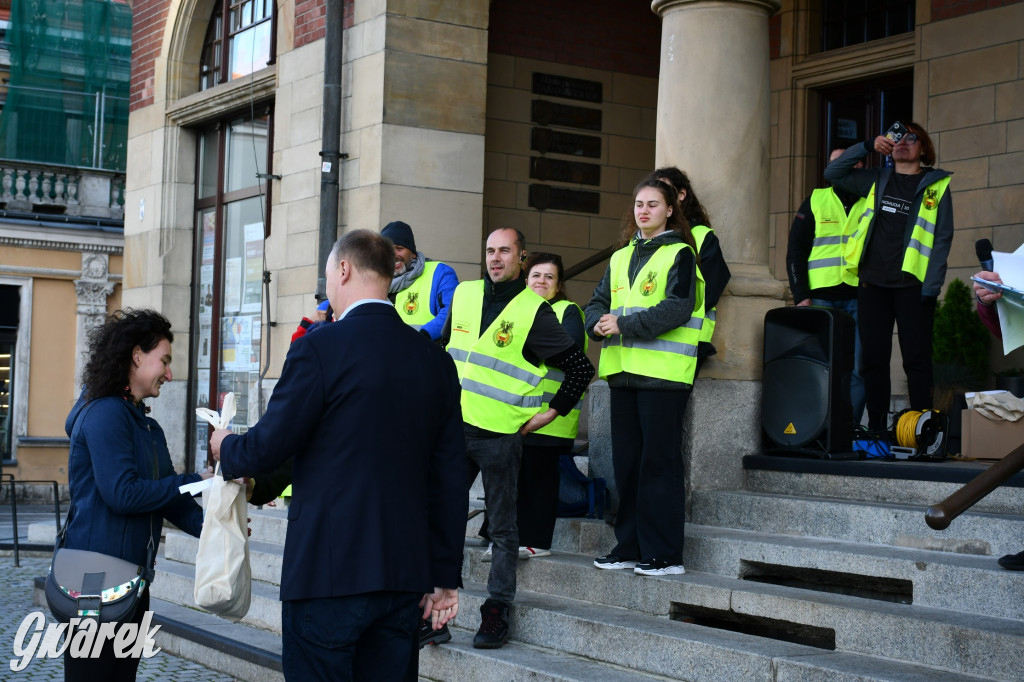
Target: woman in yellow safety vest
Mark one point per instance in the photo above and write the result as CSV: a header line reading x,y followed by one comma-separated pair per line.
x,y
898,254
537,505
647,311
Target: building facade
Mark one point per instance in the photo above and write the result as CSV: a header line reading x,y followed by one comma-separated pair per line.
x,y
458,117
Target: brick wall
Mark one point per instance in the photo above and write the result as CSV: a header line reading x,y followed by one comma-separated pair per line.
x,y
947,9
148,20
611,35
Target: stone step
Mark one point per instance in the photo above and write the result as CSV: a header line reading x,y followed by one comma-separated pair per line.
x,y
895,482
265,558
958,582
929,636
902,525
658,646
175,583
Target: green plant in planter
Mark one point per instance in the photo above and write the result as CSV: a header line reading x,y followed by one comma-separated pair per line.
x,y
959,345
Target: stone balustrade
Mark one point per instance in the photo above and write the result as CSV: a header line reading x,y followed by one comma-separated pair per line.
x,y
62,190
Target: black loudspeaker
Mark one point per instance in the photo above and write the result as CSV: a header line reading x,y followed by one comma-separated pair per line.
x,y
805,401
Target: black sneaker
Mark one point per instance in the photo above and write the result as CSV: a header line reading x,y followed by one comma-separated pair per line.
x,y
493,632
428,635
1012,562
656,566
612,561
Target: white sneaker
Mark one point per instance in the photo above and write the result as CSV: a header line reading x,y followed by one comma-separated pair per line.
x,y
524,552
534,552
658,567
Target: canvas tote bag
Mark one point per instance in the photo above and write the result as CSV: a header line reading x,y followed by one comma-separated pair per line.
x,y
223,578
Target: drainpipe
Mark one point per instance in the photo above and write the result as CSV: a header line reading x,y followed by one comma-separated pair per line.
x,y
330,154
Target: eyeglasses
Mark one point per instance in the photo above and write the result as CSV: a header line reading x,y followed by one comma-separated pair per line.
x,y
909,138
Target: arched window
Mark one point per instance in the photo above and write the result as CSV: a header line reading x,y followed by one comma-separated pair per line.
x,y
239,46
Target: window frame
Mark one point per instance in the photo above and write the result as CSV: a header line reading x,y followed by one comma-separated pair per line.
x,y
21,363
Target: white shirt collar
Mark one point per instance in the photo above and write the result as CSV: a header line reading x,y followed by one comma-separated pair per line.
x,y
359,303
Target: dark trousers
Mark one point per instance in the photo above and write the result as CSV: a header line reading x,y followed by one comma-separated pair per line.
x,y
647,438
537,505
106,668
497,461
358,637
878,308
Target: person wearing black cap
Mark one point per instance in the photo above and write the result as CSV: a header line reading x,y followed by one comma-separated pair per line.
x,y
421,289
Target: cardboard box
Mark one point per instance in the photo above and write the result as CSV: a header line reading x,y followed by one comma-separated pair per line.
x,y
984,438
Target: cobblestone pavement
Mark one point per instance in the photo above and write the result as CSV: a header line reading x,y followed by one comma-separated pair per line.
x,y
16,603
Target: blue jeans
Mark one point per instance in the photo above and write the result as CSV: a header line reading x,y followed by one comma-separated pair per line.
x,y
497,459
359,637
858,394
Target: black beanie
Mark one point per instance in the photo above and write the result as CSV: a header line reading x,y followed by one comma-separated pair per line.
x,y
400,234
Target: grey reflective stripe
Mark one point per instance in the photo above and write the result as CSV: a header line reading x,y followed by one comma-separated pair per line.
x,y
868,212
616,311
695,321
662,345
549,396
826,241
711,314
417,327
502,367
925,251
555,375
824,263
533,401
929,227
458,354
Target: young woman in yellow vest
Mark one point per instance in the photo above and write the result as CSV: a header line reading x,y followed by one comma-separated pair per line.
x,y
647,311
898,251
537,504
712,263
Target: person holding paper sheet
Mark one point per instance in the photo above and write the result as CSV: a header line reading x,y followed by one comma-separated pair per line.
x,y
898,253
120,476
990,318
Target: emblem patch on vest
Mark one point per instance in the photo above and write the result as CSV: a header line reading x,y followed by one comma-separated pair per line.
x,y
503,336
412,303
650,284
931,198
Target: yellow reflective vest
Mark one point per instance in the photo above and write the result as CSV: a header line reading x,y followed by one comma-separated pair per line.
x,y
832,229
922,238
413,303
672,355
501,391
707,330
567,426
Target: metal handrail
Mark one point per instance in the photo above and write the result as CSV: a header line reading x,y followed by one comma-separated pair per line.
x,y
9,478
939,516
589,262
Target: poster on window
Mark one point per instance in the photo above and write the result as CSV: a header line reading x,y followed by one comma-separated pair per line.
x,y
252,294
254,398
209,225
205,288
205,342
232,285
236,344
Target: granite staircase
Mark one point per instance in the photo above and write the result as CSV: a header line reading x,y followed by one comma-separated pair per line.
x,y
801,576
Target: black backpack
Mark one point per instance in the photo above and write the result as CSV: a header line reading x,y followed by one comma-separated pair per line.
x,y
577,494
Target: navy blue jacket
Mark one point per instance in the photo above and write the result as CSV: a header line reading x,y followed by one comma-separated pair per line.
x,y
121,479
369,408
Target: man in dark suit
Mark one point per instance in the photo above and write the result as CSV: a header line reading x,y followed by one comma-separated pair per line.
x,y
370,409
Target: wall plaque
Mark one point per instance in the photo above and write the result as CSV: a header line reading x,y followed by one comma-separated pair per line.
x,y
569,88
576,172
543,197
548,141
547,113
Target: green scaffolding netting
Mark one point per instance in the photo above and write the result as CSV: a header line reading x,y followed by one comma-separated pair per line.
x,y
67,102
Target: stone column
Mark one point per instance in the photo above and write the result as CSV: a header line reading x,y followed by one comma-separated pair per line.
x,y
93,289
713,122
